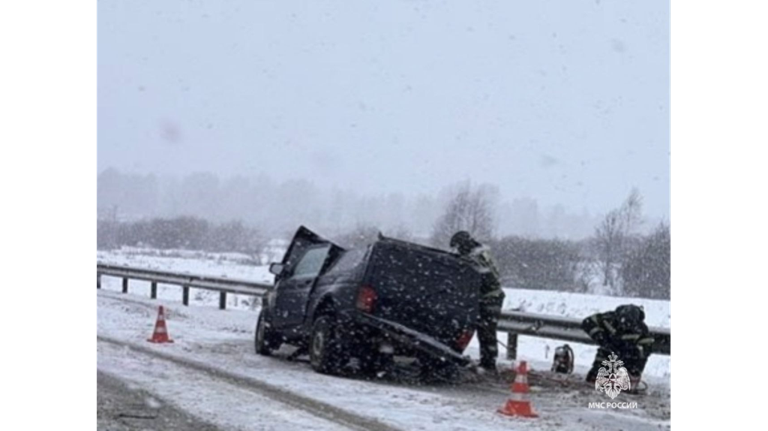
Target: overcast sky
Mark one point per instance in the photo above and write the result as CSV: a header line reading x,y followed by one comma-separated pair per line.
x,y
562,101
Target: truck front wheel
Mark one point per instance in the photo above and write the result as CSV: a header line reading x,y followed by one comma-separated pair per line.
x,y
266,341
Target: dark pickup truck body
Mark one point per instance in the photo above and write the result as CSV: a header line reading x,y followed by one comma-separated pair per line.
x,y
389,297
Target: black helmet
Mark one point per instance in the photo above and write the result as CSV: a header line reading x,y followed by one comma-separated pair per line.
x,y
629,315
463,241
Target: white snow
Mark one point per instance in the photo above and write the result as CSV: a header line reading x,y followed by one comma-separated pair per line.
x,y
225,339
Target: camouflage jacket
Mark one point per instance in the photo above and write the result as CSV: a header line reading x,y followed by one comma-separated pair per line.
x,y
491,286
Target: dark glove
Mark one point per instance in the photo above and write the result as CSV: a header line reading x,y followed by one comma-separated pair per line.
x,y
600,338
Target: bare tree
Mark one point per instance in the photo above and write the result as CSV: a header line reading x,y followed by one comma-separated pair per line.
x,y
614,235
646,270
470,209
542,264
108,227
632,212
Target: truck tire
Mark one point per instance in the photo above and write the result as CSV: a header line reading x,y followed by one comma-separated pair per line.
x,y
265,340
327,354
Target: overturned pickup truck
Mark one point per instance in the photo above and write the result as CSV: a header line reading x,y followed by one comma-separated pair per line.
x,y
388,298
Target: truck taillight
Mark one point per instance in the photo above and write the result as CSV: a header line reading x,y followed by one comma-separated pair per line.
x,y
366,299
463,341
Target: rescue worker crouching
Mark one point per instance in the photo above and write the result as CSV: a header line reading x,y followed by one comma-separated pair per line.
x,y
623,333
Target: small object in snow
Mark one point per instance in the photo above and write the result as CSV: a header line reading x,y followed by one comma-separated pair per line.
x,y
160,335
519,404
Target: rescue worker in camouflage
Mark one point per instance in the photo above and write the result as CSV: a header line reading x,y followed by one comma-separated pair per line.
x,y
491,295
624,333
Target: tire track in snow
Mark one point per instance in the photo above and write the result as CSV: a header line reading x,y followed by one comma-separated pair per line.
x,y
309,405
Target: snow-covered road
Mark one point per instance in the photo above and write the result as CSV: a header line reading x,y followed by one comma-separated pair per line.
x,y
224,340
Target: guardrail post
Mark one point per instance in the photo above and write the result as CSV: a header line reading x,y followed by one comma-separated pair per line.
x,y
98,281
222,300
511,345
125,284
185,295
153,290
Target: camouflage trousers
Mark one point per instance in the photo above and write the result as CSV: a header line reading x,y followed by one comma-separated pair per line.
x,y
490,309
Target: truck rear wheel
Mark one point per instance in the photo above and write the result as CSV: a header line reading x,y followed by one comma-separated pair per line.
x,y
326,347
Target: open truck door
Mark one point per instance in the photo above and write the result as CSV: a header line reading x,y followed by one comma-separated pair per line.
x,y
307,256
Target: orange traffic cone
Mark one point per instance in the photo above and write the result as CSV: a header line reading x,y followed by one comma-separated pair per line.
x,y
161,332
519,404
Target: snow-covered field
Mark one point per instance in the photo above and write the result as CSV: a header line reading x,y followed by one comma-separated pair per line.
x,y
230,265
225,339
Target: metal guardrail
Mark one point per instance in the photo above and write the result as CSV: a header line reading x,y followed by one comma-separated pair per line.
x,y
514,323
186,281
